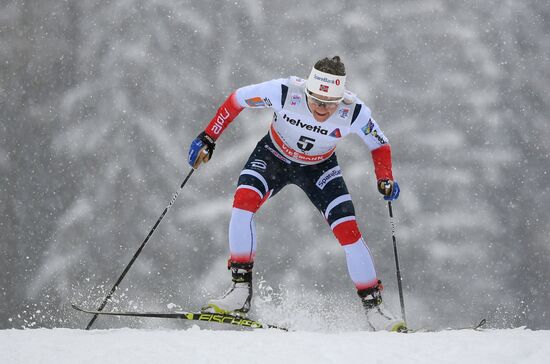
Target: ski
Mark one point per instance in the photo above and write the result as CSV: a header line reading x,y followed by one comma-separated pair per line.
x,y
193,316
478,326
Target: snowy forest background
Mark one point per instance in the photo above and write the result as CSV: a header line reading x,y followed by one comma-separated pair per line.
x,y
100,99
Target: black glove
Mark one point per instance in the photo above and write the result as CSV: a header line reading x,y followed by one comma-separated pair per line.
x,y
201,150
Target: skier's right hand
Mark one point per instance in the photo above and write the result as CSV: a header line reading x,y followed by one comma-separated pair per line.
x,y
201,150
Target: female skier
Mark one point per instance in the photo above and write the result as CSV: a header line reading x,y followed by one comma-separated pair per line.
x,y
310,117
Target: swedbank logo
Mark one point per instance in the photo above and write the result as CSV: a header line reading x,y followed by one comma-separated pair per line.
x,y
326,79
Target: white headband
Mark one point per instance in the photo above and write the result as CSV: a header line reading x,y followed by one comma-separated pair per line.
x,y
326,84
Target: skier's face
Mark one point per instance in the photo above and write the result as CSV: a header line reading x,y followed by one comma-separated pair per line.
x,y
321,107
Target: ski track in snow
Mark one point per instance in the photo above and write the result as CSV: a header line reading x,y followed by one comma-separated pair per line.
x,y
195,345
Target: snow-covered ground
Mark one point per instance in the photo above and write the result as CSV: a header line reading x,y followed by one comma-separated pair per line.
x,y
195,345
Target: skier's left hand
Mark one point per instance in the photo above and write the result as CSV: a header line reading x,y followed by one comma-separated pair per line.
x,y
390,189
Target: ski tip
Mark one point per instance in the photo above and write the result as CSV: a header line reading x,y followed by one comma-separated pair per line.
x,y
481,324
78,308
400,326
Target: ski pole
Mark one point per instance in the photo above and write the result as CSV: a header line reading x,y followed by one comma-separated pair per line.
x,y
399,279
115,286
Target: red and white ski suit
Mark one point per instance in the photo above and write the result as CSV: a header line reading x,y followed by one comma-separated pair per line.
x,y
300,150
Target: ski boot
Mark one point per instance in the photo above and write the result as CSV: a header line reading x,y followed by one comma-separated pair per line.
x,y
237,299
378,317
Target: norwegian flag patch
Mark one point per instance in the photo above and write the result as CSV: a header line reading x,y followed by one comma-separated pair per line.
x,y
323,88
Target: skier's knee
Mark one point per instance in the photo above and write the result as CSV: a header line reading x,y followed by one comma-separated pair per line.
x,y
248,198
347,232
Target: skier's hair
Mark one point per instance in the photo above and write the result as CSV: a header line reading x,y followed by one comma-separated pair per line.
x,y
334,66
